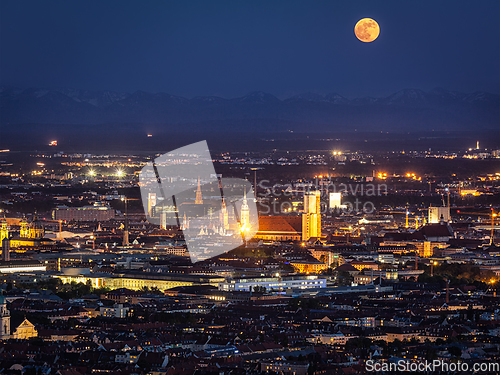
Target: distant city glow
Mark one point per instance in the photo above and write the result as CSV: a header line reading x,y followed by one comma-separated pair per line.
x,y
414,176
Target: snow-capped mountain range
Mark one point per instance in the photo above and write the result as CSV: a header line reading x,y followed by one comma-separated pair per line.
x,y
404,110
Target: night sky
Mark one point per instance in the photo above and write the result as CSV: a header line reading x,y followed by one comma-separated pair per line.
x,y
230,48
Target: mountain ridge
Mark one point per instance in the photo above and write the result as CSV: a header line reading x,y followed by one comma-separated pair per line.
x,y
404,110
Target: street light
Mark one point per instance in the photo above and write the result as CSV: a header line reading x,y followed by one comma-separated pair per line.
x,y
243,229
432,267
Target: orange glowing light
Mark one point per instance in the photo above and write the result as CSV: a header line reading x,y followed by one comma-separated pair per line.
x,y
367,30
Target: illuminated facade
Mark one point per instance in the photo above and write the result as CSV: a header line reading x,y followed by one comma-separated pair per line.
x,y
335,200
427,250
311,218
15,266
325,255
436,214
35,229
273,283
167,249
137,281
305,266
31,235
24,228
25,331
86,213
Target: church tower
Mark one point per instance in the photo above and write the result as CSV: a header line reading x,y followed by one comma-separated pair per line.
x,y
4,230
245,213
224,217
24,228
199,198
185,223
311,218
4,240
4,319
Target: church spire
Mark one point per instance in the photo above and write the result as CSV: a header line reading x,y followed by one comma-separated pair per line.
x,y
224,217
199,198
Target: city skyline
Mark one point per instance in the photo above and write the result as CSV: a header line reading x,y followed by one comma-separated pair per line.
x,y
249,187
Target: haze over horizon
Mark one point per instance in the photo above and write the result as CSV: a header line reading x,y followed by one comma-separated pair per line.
x,y
223,67
313,93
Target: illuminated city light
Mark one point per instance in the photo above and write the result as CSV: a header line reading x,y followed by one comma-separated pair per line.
x,y
125,256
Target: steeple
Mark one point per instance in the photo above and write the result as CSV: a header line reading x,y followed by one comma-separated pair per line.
x,y
24,227
199,198
223,215
4,319
245,212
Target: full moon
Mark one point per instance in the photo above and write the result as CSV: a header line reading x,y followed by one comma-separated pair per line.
x,y
367,30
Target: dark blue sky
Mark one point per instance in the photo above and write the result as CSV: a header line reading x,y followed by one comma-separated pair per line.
x,y
229,48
